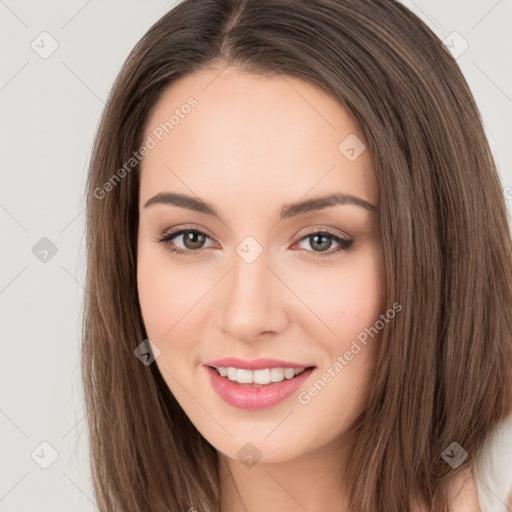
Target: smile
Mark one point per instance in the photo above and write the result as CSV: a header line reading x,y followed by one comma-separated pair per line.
x,y
254,395
258,377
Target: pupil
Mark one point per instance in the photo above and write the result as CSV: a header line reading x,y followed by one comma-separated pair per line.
x,y
325,239
189,240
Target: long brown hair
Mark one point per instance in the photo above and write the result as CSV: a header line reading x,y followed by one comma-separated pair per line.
x,y
444,371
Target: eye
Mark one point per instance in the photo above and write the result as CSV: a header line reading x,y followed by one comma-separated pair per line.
x,y
193,241
322,240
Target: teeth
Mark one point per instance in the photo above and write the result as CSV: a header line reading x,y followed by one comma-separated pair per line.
x,y
258,377
289,373
276,374
244,376
261,376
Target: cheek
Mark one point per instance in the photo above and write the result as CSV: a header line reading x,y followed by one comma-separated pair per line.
x,y
350,307
167,293
155,297
167,297
348,298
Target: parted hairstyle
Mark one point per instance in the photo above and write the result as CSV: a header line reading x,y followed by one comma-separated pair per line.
x,y
444,366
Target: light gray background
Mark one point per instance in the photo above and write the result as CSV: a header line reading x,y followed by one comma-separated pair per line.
x,y
50,108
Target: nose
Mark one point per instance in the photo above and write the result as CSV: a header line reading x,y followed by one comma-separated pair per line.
x,y
253,301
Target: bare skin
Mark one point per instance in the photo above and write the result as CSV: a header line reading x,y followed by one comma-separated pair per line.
x,y
249,147
464,496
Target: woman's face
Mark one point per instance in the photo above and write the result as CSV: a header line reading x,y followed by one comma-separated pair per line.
x,y
258,276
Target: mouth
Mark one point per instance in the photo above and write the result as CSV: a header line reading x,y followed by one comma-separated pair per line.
x,y
257,389
261,377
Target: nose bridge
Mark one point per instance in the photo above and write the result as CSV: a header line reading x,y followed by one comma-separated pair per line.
x,y
250,305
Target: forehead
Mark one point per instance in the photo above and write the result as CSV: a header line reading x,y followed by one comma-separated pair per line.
x,y
226,132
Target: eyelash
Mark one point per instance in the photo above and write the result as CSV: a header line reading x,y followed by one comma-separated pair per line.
x,y
345,244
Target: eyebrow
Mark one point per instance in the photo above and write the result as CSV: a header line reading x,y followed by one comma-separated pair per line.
x,y
287,211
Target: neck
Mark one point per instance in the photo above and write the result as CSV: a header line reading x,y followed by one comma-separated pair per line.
x,y
312,482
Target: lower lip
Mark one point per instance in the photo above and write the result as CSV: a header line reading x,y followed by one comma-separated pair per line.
x,y
247,397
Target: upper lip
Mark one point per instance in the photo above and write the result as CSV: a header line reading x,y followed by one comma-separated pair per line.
x,y
255,364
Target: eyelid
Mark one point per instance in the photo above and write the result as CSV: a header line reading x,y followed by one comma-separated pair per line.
x,y
178,231
326,229
186,227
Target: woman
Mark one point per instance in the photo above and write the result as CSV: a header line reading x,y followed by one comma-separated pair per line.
x,y
299,267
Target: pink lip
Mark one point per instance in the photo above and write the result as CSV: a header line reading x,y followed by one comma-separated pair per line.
x,y
255,364
244,396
